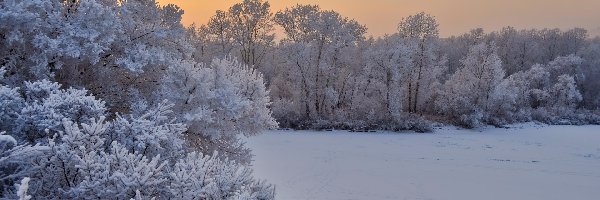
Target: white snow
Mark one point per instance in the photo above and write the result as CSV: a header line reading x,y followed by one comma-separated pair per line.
x,y
524,162
22,189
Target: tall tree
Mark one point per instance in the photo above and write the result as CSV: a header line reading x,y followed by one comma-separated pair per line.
x,y
319,47
252,29
422,30
388,59
468,93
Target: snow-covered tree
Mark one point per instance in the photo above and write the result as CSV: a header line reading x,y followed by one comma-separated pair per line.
x,y
150,133
518,93
244,30
125,52
40,37
207,177
113,48
422,30
219,102
219,27
11,103
565,93
46,105
252,29
541,93
590,54
468,93
319,54
570,64
16,160
388,59
456,47
43,106
521,49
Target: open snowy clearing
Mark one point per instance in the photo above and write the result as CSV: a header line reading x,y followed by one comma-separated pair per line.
x,y
524,162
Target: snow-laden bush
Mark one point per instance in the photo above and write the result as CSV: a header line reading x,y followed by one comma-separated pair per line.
x,y
544,93
478,95
141,155
150,133
42,107
78,167
22,189
286,113
16,161
219,102
207,177
467,95
405,122
11,103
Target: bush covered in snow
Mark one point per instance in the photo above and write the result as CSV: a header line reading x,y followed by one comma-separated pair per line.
x,y
219,101
406,122
133,143
76,153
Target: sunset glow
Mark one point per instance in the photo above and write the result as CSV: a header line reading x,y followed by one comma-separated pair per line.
x,y
455,17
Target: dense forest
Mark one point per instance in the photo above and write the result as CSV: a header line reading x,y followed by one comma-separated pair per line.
x,y
325,73
116,99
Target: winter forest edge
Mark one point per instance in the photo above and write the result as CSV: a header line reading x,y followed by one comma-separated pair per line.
x,y
116,99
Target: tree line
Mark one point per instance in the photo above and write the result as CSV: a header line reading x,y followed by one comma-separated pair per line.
x,y
325,73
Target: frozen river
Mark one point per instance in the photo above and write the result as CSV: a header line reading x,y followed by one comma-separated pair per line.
x,y
525,162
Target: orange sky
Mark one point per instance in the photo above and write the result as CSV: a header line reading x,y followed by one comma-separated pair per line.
x,y
455,16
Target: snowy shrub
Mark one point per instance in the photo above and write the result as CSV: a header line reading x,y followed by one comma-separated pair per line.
x,y
119,173
413,122
565,93
46,105
206,177
405,122
42,107
467,96
11,103
16,161
560,117
286,114
472,120
85,161
23,188
63,143
50,33
150,133
545,93
219,102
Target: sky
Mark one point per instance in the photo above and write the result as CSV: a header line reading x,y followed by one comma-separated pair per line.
x,y
454,16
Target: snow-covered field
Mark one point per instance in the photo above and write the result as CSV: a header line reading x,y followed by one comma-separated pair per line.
x,y
524,162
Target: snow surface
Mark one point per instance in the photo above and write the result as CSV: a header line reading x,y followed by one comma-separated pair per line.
x,y
524,162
